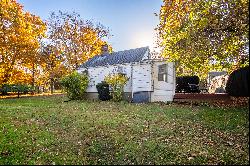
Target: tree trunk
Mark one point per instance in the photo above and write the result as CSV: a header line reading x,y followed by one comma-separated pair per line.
x,y
33,78
51,85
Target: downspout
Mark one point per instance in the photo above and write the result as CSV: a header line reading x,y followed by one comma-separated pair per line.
x,y
152,79
174,75
132,92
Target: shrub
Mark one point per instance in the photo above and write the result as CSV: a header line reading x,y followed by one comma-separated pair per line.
x,y
5,89
117,82
21,88
103,91
238,82
75,85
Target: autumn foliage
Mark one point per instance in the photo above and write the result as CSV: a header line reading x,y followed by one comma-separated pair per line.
x,y
117,83
39,53
201,36
76,39
20,33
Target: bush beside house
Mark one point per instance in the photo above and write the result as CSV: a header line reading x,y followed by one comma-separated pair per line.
x,y
117,83
75,85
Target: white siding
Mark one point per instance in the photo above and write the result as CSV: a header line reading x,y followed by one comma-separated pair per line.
x,y
142,80
142,77
164,98
97,75
163,91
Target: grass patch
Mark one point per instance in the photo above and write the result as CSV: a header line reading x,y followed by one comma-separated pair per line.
x,y
47,130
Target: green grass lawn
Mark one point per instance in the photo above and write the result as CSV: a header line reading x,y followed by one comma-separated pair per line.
x,y
47,130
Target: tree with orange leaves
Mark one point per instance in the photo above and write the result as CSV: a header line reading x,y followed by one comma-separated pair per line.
x,y
77,39
20,32
23,58
52,65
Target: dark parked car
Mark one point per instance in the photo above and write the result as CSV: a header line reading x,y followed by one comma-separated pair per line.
x,y
187,84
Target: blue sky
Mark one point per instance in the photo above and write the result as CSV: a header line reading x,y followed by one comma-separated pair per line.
x,y
131,22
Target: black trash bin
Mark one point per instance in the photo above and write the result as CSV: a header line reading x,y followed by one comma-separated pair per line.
x,y
103,91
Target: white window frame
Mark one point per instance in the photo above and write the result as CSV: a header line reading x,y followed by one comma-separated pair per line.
x,y
163,72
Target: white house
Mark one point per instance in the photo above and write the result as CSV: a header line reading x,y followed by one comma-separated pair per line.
x,y
150,80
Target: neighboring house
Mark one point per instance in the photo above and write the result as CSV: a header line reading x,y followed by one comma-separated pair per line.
x,y
213,74
150,80
218,84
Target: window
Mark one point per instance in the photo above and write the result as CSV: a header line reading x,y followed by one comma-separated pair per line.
x,y
121,70
163,73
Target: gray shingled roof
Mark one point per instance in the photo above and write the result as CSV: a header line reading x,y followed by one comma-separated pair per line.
x,y
120,57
